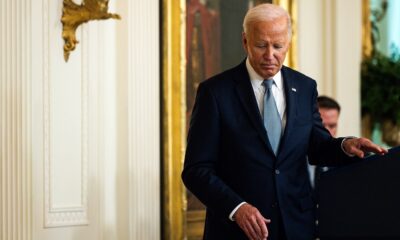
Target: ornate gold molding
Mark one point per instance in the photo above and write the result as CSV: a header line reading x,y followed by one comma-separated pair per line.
x,y
174,115
366,30
291,7
74,15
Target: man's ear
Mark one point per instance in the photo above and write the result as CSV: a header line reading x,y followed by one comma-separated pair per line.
x,y
244,41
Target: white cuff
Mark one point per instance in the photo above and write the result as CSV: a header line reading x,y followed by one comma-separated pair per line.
x,y
341,145
234,211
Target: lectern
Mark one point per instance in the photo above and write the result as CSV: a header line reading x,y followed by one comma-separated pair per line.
x,y
361,200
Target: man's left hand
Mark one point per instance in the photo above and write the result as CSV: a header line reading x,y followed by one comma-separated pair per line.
x,y
359,146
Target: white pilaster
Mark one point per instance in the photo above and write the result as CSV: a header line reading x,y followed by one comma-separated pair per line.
x,y
348,65
329,50
15,108
144,118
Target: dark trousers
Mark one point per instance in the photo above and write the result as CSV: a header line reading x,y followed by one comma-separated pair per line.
x,y
276,227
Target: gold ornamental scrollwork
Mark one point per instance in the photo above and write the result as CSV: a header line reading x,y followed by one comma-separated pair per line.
x,y
73,15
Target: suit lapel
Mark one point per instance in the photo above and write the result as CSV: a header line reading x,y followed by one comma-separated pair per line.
x,y
247,98
290,86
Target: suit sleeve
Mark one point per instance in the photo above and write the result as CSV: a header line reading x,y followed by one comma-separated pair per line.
x,y
323,148
202,153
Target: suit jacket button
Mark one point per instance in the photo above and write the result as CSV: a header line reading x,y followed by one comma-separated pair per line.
x,y
277,172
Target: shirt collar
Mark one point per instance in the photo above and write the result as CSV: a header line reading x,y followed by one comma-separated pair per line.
x,y
257,80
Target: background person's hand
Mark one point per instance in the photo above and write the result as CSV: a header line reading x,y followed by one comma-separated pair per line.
x,y
359,146
252,222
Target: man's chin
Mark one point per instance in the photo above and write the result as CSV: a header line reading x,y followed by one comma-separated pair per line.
x,y
268,73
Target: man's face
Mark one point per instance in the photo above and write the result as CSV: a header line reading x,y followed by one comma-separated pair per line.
x,y
330,119
266,45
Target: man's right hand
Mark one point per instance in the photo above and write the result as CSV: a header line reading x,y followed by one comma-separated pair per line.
x,y
252,222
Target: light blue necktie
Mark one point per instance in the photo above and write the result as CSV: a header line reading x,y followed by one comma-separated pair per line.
x,y
272,120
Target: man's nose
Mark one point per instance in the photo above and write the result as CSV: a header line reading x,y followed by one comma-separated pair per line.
x,y
269,53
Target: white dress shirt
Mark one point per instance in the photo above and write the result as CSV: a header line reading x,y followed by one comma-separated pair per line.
x,y
278,91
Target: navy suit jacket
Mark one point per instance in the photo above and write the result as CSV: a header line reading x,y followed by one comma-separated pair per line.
x,y
229,159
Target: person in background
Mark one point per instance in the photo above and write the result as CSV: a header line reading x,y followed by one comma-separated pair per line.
x,y
329,110
251,131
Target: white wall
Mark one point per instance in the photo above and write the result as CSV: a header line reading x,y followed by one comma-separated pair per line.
x,y
80,146
329,50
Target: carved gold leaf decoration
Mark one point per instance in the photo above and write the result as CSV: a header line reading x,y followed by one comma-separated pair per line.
x,y
74,15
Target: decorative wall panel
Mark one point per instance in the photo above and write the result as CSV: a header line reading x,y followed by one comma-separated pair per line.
x,y
65,115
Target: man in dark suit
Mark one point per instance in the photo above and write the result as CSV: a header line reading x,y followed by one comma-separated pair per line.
x,y
329,110
251,129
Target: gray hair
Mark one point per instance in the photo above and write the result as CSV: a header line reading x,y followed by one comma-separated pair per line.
x,y
266,12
